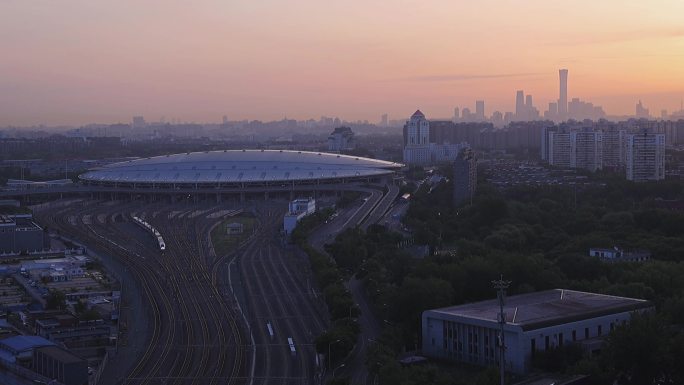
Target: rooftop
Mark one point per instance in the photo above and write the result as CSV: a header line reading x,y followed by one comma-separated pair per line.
x,y
547,308
241,166
24,343
59,354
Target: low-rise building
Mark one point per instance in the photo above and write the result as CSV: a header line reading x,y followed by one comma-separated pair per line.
x,y
234,228
61,365
617,254
298,209
19,233
534,322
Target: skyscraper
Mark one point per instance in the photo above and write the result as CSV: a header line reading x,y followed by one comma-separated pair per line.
x,y
480,110
563,96
520,105
642,112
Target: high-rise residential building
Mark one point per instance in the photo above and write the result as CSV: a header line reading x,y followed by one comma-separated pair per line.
x,y
613,144
480,110
645,156
558,148
641,112
563,94
457,114
545,141
465,177
586,148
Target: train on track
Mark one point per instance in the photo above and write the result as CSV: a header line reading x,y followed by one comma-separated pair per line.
x,y
151,230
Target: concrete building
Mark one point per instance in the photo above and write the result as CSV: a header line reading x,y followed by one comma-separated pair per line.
x,y
298,209
429,142
416,139
341,139
617,254
613,145
535,322
558,148
234,228
465,177
641,112
586,149
645,156
563,94
480,110
61,365
19,233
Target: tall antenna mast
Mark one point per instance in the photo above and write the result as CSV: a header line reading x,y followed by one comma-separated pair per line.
x,y
501,286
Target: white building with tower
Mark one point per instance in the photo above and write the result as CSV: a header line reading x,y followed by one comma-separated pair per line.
x,y
298,209
535,322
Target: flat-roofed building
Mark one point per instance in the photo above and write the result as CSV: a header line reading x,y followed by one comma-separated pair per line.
x,y
19,233
645,156
534,322
60,365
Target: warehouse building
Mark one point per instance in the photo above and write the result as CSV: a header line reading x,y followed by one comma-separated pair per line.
x,y
535,322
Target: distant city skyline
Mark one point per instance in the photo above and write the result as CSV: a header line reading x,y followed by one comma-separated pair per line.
x,y
79,62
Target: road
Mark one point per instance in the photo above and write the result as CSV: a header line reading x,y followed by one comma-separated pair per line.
x,y
369,212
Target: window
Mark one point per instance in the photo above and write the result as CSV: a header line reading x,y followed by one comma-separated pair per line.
x,y
560,339
546,343
586,333
533,346
574,335
612,326
600,331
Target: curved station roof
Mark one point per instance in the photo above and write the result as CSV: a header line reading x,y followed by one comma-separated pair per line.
x,y
239,167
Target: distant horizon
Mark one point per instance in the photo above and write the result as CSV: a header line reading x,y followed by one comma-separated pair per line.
x,y
87,62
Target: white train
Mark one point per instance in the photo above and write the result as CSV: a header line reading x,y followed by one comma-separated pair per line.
x,y
149,228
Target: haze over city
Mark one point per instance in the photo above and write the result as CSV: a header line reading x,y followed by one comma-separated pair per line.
x,y
79,62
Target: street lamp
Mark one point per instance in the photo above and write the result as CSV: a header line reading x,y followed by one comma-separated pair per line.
x,y
329,345
333,373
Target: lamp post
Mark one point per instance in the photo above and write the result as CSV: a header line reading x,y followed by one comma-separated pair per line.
x,y
329,345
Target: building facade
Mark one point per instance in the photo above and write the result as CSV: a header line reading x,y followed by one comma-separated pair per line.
x,y
645,156
341,139
535,322
586,149
465,177
298,209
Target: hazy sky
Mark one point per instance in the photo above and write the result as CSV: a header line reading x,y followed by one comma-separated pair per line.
x,y
82,61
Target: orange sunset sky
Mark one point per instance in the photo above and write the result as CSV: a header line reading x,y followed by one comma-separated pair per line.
x,y
85,61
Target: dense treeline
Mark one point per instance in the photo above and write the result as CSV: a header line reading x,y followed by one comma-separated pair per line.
x,y
341,337
537,237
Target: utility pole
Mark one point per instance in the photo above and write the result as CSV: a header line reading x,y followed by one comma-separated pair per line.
x,y
501,287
